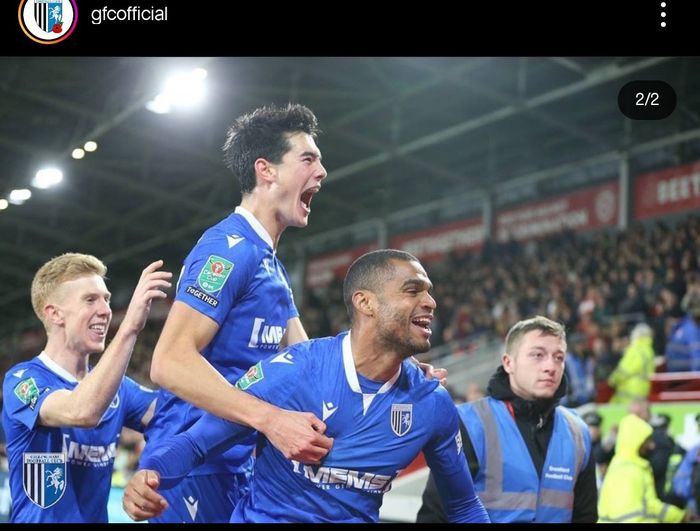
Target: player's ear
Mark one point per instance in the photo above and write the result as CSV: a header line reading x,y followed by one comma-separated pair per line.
x,y
364,302
53,314
265,171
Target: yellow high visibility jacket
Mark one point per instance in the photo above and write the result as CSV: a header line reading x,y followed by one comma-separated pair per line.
x,y
628,493
630,379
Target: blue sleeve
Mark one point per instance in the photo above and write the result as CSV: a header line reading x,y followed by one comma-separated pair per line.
x,y
178,455
445,457
137,400
23,395
215,276
272,380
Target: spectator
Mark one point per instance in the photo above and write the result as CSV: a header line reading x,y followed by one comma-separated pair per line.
x,y
580,367
631,377
628,493
683,350
664,448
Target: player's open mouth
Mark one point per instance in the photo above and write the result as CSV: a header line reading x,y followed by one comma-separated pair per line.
x,y
100,329
423,323
307,196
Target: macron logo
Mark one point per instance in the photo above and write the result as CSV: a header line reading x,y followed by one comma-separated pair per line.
x,y
328,410
191,504
19,373
284,357
233,240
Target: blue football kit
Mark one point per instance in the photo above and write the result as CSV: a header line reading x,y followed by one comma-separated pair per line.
x,y
233,276
378,430
62,474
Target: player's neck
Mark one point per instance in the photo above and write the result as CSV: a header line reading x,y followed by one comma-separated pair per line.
x,y
255,204
372,360
58,350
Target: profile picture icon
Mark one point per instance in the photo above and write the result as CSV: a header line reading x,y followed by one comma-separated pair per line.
x,y
48,21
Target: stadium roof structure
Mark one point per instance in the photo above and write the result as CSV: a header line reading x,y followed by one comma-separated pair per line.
x,y
397,133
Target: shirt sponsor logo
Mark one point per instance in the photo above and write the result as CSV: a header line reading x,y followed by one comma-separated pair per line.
x,y
211,301
91,455
401,418
254,375
27,392
214,274
44,477
328,477
265,336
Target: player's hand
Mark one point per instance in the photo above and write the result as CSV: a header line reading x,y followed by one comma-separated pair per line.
x,y
299,436
141,501
148,288
431,372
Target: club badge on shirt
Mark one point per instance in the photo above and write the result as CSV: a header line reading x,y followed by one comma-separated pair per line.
x,y
401,418
44,477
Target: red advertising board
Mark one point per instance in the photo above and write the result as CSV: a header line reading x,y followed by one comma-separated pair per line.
x,y
435,243
667,192
322,270
590,208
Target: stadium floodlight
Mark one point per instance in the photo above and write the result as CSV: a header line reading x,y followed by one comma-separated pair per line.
x,y
78,153
182,90
19,196
46,178
4,204
90,146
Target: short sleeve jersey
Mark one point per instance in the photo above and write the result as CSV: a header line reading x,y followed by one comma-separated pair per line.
x,y
62,474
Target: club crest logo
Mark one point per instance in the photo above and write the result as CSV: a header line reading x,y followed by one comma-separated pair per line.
x,y
48,21
401,418
44,477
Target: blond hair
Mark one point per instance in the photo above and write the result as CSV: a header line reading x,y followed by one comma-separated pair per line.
x,y
60,269
539,322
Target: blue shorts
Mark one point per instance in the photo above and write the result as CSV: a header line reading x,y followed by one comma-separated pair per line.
x,y
204,499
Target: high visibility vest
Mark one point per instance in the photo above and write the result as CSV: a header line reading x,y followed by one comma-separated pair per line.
x,y
507,482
